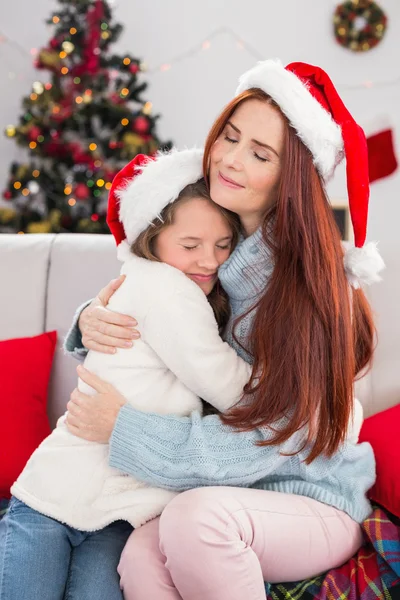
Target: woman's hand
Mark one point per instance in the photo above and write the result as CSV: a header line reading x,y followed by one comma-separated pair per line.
x,y
104,330
93,417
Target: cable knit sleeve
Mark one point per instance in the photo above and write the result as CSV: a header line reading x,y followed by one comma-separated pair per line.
x,y
73,340
180,453
182,330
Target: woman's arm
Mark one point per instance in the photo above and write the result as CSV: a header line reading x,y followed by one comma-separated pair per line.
x,y
94,327
176,453
180,453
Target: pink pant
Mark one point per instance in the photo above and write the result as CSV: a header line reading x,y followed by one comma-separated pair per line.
x,y
222,543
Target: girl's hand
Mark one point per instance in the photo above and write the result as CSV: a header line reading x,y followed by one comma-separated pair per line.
x,y
104,330
93,417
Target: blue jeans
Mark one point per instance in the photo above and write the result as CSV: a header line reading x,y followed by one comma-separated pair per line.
x,y
42,559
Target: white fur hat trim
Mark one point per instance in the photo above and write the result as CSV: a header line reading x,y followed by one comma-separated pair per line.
x,y
362,265
160,182
313,124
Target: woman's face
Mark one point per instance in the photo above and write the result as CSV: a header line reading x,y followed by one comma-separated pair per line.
x,y
245,162
197,242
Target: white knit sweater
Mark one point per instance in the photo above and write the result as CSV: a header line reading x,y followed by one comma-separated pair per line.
x,y
179,359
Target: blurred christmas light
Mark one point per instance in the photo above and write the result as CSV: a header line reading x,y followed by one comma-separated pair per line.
x,y
100,182
64,70
25,192
32,145
10,131
36,173
147,108
62,54
33,187
33,97
73,30
77,80
38,87
108,185
68,47
92,146
48,86
127,61
17,185
124,92
79,99
124,122
72,201
67,190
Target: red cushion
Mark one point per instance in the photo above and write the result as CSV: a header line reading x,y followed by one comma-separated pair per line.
x,y
382,431
25,372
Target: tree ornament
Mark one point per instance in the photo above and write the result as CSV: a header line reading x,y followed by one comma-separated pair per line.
x,y
81,191
359,25
141,125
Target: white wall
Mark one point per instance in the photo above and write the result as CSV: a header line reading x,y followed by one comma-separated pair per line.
x,y
191,93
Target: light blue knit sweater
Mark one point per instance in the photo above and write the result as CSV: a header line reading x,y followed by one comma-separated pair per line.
x,y
182,453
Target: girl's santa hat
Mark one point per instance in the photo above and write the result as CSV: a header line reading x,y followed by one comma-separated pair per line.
x,y
309,100
142,189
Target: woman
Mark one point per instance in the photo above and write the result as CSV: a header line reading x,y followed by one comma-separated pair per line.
x,y
307,335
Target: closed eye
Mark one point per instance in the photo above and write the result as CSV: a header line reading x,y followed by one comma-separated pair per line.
x,y
230,140
260,157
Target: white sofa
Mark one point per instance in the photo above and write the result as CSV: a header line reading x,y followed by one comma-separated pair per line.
x,y
44,277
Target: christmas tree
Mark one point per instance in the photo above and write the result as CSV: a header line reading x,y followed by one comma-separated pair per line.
x,y
79,128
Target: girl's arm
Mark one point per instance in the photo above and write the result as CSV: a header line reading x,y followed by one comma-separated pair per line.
x,y
182,330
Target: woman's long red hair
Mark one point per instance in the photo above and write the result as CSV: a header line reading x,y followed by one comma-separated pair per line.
x,y
312,334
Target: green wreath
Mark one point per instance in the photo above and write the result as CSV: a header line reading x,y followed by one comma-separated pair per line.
x,y
359,24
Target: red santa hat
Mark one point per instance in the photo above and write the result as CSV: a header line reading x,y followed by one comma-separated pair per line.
x,y
142,189
309,100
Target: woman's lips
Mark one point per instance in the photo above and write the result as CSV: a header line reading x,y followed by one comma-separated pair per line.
x,y
228,182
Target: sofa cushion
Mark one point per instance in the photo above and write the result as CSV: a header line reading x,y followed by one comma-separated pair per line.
x,y
25,365
382,431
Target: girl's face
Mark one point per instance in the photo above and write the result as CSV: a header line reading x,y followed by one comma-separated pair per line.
x,y
245,162
197,243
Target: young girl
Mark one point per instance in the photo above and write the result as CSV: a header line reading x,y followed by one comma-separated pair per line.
x,y
175,243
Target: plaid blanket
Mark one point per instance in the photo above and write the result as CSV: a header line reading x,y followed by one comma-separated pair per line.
x,y
374,572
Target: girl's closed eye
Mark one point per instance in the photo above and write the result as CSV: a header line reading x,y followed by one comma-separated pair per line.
x,y
230,140
190,247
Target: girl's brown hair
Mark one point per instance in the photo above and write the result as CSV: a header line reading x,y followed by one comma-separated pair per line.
x,y
143,246
312,334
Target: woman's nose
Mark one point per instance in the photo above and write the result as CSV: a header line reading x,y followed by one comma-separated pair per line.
x,y
233,157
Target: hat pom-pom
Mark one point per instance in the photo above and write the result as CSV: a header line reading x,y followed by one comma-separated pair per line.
x,y
363,265
123,251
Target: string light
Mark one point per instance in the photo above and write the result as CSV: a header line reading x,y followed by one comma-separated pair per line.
x,y
48,86
10,131
124,92
72,201
67,190
108,185
33,97
240,43
25,192
56,19
40,138
92,146
32,145
100,182
90,183
38,87
17,185
36,173
95,217
79,99
62,54
147,108
105,35
68,47
124,122
64,70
